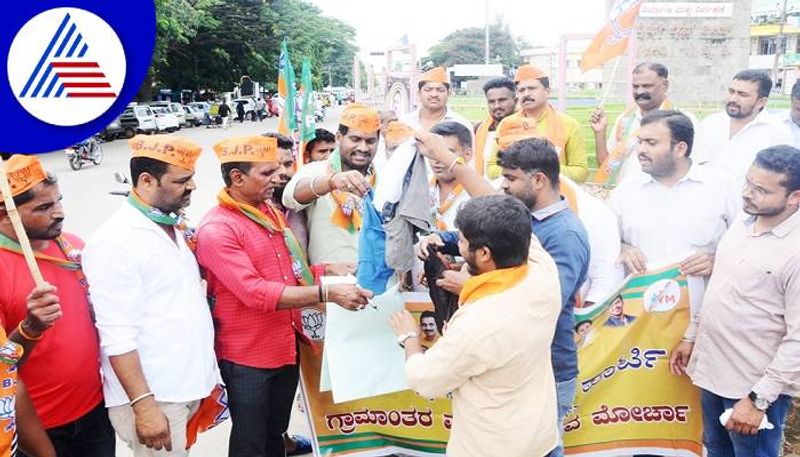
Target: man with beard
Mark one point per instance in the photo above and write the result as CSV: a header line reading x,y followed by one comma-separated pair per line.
x,y
494,356
501,100
330,191
729,140
531,174
617,156
676,207
533,90
446,194
156,333
434,91
258,279
62,366
296,219
743,349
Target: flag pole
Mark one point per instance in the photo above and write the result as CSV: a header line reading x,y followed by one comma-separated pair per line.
x,y
19,229
610,81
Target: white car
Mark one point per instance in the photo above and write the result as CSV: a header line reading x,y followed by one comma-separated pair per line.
x,y
138,119
249,107
175,108
194,116
202,106
165,120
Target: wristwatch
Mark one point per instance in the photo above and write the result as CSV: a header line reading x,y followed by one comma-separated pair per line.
x,y
761,403
401,340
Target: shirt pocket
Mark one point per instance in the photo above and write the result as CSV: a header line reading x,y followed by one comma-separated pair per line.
x,y
757,283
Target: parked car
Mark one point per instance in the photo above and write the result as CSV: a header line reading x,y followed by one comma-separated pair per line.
x,y
113,131
249,107
138,119
175,108
165,120
194,116
202,106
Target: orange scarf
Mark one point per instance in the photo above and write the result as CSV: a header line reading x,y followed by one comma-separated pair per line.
x,y
480,144
490,283
444,204
347,211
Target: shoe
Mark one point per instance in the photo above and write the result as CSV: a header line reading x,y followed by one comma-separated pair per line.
x,y
302,445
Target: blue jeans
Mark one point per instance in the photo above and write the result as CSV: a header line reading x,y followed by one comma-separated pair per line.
x,y
565,391
723,443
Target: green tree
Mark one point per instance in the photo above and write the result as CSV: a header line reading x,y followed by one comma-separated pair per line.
x,y
466,46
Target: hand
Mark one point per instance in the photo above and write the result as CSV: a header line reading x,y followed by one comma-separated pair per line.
x,y
632,259
430,240
679,357
599,120
152,426
349,296
43,310
403,322
746,418
453,281
340,269
350,181
434,147
700,264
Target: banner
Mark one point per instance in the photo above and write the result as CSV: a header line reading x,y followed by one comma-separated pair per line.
x,y
627,401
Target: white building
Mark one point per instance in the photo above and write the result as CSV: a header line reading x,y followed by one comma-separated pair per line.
x,y
547,58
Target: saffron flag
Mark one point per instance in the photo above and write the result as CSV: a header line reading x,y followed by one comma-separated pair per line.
x,y
286,89
612,40
308,125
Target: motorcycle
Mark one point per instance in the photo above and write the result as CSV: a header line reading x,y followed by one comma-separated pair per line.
x,y
122,179
88,150
319,114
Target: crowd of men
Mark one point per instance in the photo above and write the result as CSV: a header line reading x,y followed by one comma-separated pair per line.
x,y
134,329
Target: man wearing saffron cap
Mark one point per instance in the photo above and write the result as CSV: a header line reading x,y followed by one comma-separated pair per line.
x,y
434,90
62,368
330,191
533,90
156,333
258,279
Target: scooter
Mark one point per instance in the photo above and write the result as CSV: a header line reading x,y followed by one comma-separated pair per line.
x,y
122,179
83,152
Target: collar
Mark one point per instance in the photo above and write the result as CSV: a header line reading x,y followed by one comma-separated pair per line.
x,y
696,172
761,118
134,218
783,229
551,210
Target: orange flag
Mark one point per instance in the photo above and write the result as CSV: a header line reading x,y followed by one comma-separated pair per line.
x,y
612,40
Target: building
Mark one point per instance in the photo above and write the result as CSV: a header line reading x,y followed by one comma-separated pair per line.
x,y
764,45
547,58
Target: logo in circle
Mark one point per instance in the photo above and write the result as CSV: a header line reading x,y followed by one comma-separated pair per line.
x,y
662,296
66,66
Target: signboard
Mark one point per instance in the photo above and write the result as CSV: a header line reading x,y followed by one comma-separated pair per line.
x,y
686,9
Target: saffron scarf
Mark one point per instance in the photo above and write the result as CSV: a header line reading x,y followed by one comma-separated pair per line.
x,y
491,283
347,211
71,262
625,138
274,222
442,205
480,143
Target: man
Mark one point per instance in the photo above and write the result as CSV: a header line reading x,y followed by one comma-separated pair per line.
x,y
742,350
156,333
494,356
501,101
397,133
676,207
224,113
62,374
320,148
617,156
793,118
296,219
533,90
258,279
427,325
531,174
729,140
617,316
330,191
446,194
434,91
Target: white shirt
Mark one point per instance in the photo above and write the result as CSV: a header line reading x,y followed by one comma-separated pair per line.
x,y
147,296
794,129
735,154
449,216
605,273
689,217
412,120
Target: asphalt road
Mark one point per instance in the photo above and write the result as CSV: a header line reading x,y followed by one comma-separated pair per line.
x,y
87,203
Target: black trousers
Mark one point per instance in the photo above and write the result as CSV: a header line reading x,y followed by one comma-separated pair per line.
x,y
90,436
260,402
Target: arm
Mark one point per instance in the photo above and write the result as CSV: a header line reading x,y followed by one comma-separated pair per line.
x,y
599,121
570,256
450,240
576,165
306,190
44,310
33,439
433,147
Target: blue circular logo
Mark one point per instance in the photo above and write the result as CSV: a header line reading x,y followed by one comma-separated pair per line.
x,y
70,69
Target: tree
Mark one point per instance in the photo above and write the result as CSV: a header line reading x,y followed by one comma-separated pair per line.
x,y
466,46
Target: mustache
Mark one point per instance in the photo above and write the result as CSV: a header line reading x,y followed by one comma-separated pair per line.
x,y
642,97
733,104
57,221
527,99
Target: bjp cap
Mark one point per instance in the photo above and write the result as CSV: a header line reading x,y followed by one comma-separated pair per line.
x,y
171,149
397,132
361,117
513,129
526,72
247,148
436,75
24,172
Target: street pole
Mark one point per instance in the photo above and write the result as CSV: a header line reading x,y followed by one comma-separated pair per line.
x,y
486,36
779,46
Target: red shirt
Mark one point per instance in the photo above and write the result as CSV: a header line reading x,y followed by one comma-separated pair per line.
x,y
62,373
247,267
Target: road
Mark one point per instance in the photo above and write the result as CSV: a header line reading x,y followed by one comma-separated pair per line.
x,y
87,203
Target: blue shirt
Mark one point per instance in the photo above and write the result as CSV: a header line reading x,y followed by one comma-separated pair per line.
x,y
563,236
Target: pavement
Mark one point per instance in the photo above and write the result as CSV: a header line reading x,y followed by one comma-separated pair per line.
x,y
87,204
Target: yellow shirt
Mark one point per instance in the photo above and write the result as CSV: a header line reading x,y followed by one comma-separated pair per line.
x,y
495,359
574,163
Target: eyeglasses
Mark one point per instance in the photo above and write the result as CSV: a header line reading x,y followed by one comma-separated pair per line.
x,y
757,193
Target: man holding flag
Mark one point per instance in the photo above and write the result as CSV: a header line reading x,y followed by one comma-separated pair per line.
x,y
258,278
